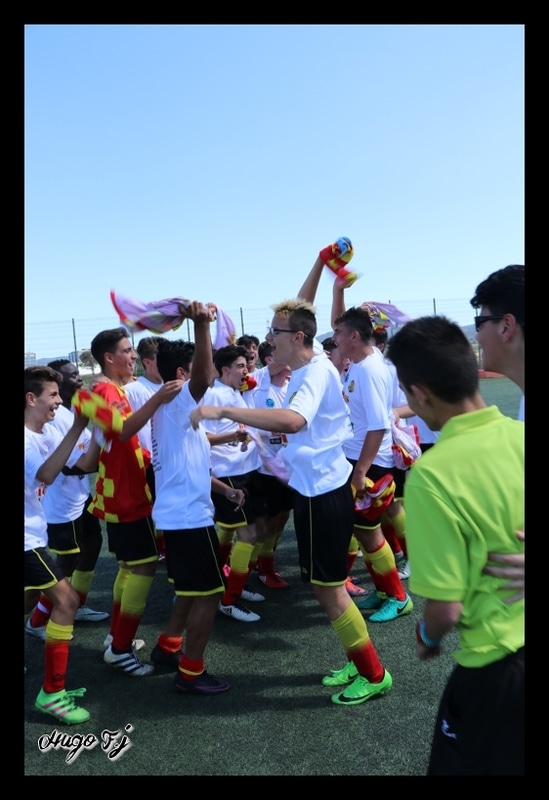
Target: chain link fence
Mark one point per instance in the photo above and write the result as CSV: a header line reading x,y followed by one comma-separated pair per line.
x,y
46,341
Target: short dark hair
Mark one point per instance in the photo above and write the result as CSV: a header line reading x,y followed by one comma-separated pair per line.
x,y
503,292
226,356
58,363
37,377
329,344
172,354
148,347
247,340
434,352
357,319
264,350
107,342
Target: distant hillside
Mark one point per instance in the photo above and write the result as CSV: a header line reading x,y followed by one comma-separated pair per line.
x,y
470,332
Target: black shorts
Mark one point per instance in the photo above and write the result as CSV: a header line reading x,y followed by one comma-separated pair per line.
x,y
67,538
278,496
41,569
375,473
255,505
133,542
64,537
323,527
193,561
480,721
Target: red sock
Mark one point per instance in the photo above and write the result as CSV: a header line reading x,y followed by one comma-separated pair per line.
x,y
41,613
190,669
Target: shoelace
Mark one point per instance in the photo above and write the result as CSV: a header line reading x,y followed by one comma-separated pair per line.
x,y
67,702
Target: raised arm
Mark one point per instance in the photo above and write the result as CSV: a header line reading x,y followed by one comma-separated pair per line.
x,y
338,302
135,422
202,371
309,289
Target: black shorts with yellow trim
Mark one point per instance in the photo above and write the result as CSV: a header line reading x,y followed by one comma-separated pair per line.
x,y
193,561
41,570
323,527
278,496
133,542
67,538
226,513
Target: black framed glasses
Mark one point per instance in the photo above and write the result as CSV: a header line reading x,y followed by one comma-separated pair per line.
x,y
481,320
276,331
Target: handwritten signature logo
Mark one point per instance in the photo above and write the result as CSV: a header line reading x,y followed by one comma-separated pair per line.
x,y
113,743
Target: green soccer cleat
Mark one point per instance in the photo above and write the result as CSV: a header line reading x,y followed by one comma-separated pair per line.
x,y
392,608
361,690
341,677
62,706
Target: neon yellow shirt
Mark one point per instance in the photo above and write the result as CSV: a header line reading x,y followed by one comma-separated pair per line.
x,y
464,498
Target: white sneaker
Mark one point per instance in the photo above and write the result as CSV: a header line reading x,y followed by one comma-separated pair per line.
x,y
137,644
85,614
250,596
239,612
128,663
403,568
38,633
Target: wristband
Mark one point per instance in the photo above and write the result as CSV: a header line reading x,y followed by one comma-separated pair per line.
x,y
423,638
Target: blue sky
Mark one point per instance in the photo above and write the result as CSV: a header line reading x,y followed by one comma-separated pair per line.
x,y
213,162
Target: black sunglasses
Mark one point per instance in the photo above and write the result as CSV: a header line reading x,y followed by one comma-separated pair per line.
x,y
481,320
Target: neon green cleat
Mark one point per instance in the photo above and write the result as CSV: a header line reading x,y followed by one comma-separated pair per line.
x,y
341,677
62,706
361,690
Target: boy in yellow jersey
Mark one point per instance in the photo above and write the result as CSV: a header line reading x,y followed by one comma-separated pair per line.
x,y
465,498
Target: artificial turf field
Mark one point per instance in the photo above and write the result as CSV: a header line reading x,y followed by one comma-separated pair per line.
x,y
278,719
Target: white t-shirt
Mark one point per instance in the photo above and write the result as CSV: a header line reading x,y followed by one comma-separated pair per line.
x,y
229,459
267,395
426,435
314,455
38,446
368,390
181,463
138,392
66,496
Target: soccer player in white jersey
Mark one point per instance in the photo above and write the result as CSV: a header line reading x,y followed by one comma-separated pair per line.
x,y
46,453
368,390
235,463
270,393
74,535
138,392
317,423
184,512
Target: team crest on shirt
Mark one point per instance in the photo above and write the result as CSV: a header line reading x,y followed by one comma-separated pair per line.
x,y
269,402
351,386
